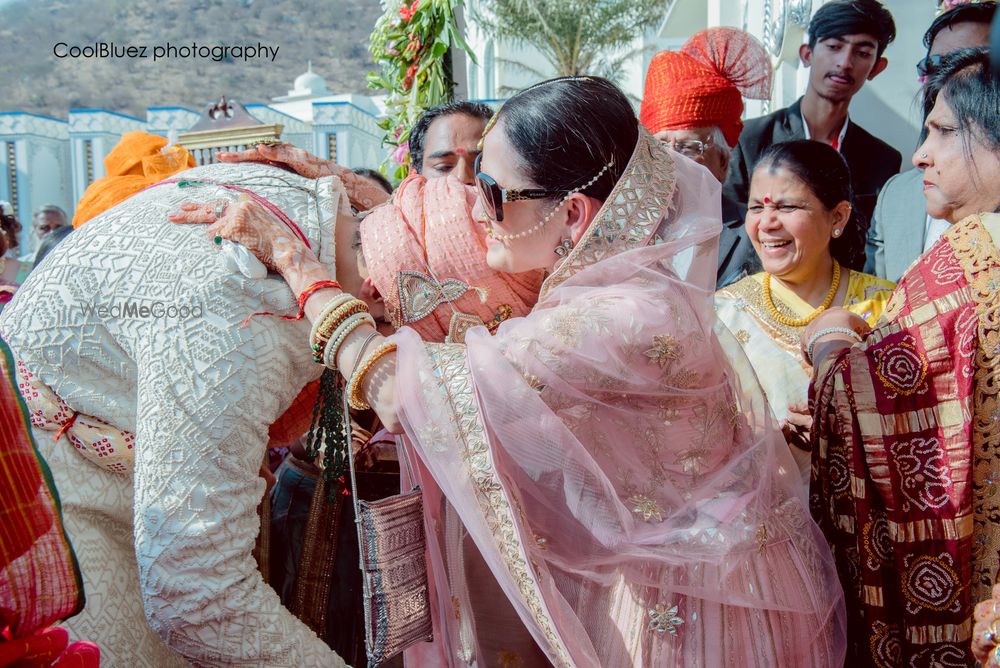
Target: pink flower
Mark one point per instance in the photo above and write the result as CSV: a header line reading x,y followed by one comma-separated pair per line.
x,y
408,12
402,152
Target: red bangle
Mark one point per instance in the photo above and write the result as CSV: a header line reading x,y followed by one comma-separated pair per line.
x,y
303,297
307,293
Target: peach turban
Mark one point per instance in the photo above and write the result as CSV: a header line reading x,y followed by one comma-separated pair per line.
x,y
703,84
136,162
427,258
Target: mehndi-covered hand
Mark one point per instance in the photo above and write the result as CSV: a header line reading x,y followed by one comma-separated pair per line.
x,y
249,224
364,194
298,160
986,633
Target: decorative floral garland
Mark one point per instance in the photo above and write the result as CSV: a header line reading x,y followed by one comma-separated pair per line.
x,y
410,46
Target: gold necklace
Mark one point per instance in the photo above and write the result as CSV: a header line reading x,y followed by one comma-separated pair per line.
x,y
801,322
3,264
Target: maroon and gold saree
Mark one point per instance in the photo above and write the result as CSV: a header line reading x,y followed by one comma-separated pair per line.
x,y
906,453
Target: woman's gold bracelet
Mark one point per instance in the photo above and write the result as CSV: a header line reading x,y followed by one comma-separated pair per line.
x,y
330,307
357,381
327,328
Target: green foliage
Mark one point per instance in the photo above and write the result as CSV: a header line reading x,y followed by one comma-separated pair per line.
x,y
410,46
575,36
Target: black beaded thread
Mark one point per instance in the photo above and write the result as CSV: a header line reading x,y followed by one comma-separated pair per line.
x,y
329,431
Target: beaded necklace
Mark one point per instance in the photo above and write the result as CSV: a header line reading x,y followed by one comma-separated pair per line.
x,y
801,322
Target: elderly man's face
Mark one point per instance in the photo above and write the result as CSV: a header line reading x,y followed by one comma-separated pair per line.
x,y
699,145
47,222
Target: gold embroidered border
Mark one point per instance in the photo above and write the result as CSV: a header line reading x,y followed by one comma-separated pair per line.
x,y
976,253
750,292
641,199
456,380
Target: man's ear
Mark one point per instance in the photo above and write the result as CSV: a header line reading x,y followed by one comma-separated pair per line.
x,y
726,158
805,54
368,292
880,66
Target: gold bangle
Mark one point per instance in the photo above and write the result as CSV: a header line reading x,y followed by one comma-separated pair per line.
x,y
331,306
336,318
329,328
358,377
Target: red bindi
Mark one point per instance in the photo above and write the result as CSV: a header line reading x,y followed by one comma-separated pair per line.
x,y
767,200
461,151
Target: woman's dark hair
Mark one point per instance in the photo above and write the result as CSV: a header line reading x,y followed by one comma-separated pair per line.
x,y
419,132
972,93
375,176
853,17
981,12
8,232
566,130
826,174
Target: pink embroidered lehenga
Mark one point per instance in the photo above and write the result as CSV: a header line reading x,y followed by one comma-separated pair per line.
x,y
609,470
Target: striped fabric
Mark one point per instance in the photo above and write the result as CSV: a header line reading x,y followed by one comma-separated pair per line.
x,y
39,579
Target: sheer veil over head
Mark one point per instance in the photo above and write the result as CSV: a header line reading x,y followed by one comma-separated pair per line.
x,y
614,470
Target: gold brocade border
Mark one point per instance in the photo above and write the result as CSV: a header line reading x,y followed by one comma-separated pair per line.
x,y
318,560
751,292
976,253
640,200
456,380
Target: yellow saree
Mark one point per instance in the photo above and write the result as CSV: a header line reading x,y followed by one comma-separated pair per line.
x,y
773,348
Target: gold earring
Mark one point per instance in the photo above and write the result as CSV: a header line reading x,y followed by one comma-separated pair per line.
x,y
563,249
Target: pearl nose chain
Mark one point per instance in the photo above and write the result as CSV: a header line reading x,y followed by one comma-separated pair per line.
x,y
538,227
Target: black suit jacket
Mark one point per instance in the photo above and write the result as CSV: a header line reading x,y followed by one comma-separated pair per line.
x,y
872,163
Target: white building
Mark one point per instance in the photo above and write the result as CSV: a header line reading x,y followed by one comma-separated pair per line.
x,y
885,107
46,160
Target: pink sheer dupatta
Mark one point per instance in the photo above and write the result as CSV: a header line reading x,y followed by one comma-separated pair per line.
x,y
618,476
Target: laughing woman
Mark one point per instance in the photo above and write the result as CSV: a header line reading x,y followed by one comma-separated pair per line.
x,y
800,221
623,487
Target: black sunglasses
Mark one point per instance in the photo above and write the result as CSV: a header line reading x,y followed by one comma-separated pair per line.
x,y
928,65
493,196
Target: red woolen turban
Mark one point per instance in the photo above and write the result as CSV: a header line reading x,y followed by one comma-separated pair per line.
x,y
703,84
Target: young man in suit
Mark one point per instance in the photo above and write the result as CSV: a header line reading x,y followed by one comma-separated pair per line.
x,y
846,41
901,230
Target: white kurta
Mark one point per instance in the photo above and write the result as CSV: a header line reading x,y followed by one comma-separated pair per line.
x,y
165,549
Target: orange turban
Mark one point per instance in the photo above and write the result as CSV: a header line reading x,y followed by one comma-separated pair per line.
x,y
133,164
703,84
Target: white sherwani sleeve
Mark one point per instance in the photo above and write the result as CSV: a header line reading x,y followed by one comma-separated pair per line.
x,y
197,490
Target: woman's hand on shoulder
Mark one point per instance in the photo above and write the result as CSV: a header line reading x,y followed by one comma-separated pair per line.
x,y
249,224
286,156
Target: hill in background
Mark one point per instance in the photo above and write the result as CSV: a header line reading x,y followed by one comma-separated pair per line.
x,y
333,34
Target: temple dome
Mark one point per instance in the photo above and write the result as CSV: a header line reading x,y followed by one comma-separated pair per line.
x,y
309,83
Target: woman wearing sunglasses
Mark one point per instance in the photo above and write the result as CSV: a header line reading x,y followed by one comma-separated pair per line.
x,y
607,465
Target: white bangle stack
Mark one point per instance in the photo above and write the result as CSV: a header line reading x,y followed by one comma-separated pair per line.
x,y
340,335
826,331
